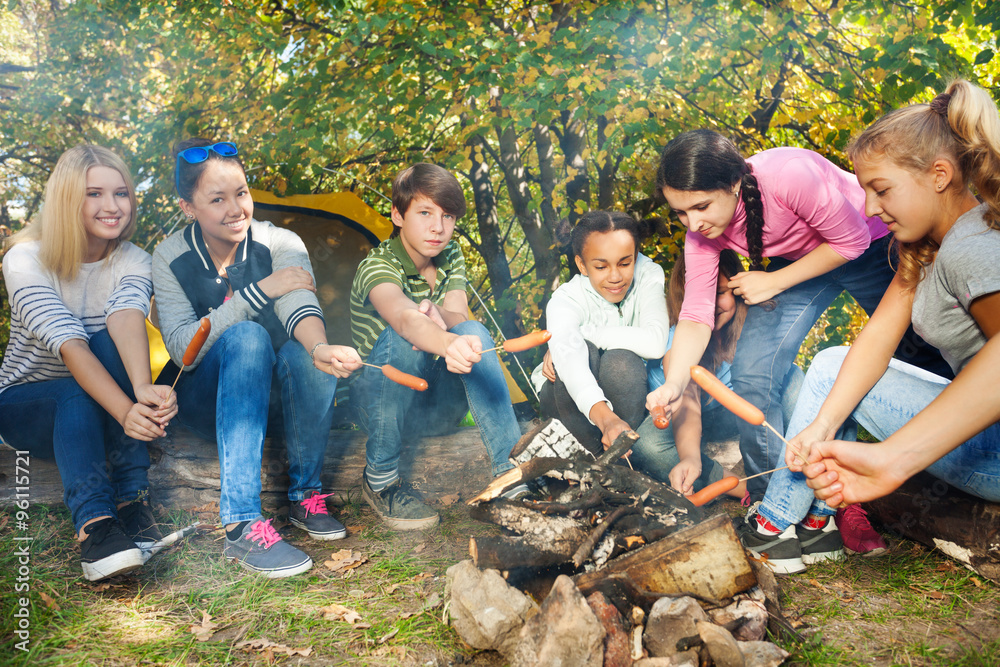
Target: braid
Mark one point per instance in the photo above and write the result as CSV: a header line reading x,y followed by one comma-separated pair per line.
x,y
754,206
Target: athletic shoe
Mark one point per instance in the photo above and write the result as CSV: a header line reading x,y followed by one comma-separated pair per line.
x,y
516,493
857,532
312,516
107,551
139,524
398,507
260,548
820,543
782,552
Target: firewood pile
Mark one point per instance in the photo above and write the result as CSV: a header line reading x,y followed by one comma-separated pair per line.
x,y
628,572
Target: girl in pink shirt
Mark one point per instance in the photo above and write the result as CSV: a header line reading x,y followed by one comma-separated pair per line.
x,y
805,214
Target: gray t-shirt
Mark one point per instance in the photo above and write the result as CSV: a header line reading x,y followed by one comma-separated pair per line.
x,y
966,267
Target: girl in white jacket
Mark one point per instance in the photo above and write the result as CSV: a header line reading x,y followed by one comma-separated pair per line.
x,y
605,323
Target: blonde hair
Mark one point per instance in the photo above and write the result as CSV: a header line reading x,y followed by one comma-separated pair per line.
x,y
722,344
59,227
961,125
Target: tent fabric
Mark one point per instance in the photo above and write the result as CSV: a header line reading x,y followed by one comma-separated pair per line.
x,y
338,229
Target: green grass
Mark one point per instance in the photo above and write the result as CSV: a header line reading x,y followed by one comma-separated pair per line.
x,y
910,607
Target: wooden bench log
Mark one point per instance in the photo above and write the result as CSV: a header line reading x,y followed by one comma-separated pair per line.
x,y
927,510
185,469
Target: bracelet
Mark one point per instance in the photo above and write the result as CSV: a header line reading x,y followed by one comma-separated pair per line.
x,y
312,352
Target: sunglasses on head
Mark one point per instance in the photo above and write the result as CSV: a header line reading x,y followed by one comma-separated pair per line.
x,y
198,154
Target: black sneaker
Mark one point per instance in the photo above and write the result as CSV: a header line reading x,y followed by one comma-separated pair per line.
x,y
260,548
821,543
398,507
312,516
108,551
139,524
782,553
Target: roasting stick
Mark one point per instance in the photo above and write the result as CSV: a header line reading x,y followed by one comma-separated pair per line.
x,y
526,342
743,409
399,377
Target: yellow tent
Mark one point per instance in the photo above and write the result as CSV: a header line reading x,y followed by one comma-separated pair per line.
x,y
338,230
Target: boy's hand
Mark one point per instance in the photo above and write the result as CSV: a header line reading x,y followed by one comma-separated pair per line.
x,y
337,360
428,308
463,353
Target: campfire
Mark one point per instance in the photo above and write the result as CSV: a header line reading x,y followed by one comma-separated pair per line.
x,y
627,571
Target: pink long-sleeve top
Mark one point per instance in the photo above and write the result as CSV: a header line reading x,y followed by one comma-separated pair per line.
x,y
808,201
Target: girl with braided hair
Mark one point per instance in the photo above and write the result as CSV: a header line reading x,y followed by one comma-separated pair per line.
x,y
805,214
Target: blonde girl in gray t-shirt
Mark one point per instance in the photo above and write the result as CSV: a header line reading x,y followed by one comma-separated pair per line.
x,y
916,165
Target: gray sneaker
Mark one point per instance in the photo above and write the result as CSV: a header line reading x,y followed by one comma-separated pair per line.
x,y
312,516
260,548
782,553
398,507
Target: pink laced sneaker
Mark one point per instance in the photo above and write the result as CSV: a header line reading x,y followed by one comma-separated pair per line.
x,y
316,504
263,531
857,532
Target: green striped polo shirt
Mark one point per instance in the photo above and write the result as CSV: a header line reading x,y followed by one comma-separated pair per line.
x,y
389,263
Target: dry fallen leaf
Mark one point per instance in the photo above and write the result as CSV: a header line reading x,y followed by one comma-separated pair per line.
x,y
393,588
392,649
204,631
449,499
947,566
336,612
634,540
49,601
345,560
98,588
268,647
420,547
813,582
422,576
977,582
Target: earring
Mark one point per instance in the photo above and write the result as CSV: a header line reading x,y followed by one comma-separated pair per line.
x,y
191,217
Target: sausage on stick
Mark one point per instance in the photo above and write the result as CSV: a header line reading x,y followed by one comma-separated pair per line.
x,y
522,343
659,415
401,378
194,347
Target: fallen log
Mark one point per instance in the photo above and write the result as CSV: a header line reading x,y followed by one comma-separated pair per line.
x,y
185,469
928,510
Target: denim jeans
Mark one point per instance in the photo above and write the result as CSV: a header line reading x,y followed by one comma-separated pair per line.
x,y
226,398
656,451
58,419
771,338
901,393
388,412
621,374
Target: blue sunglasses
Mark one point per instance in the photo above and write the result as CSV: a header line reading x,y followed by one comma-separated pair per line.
x,y
198,154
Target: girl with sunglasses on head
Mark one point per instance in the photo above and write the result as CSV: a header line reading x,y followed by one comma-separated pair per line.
x,y
267,345
916,165
75,383
805,214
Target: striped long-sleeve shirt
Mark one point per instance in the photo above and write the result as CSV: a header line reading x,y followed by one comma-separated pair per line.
x,y
47,312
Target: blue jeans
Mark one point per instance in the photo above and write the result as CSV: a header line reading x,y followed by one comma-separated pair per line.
x,y
58,419
771,338
901,393
226,398
387,411
656,451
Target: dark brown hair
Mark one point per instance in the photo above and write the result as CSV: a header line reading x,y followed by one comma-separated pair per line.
x,y
722,345
703,160
431,181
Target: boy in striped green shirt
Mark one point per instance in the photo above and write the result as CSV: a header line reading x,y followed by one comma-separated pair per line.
x,y
409,310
